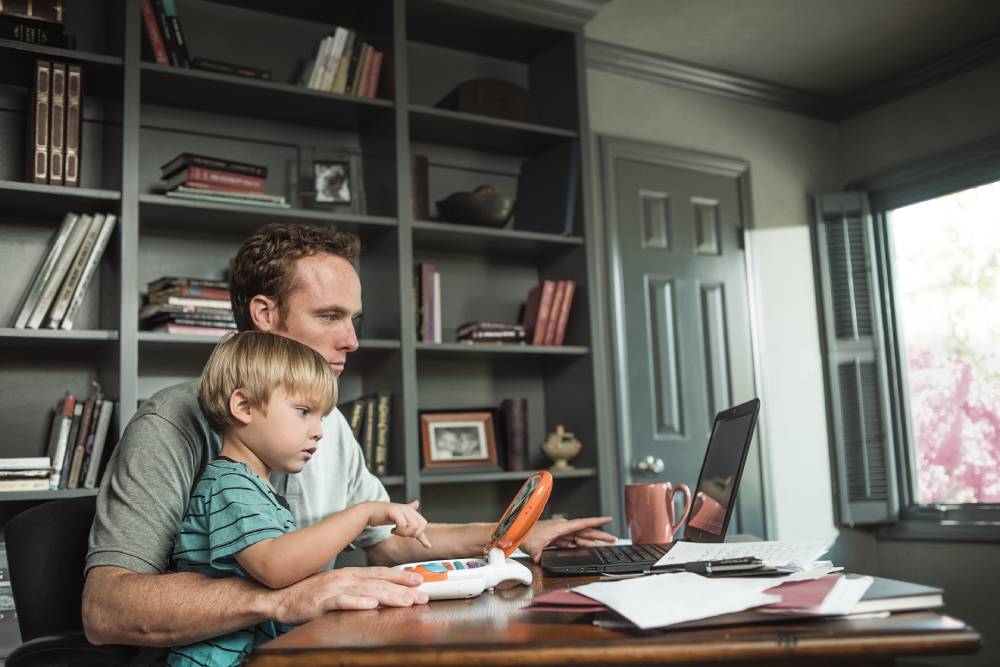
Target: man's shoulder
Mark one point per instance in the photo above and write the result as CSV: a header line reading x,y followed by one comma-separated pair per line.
x,y
177,406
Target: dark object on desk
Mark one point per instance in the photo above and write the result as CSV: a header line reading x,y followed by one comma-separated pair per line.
x,y
486,207
46,551
221,67
724,459
515,421
489,97
893,595
547,190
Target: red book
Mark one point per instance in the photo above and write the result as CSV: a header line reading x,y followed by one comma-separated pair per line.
x,y
372,75
564,309
215,179
205,185
153,31
544,312
557,299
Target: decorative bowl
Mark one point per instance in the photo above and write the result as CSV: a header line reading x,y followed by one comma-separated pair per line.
x,y
485,207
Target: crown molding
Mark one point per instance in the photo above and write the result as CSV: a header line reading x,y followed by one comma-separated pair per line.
x,y
648,66
569,13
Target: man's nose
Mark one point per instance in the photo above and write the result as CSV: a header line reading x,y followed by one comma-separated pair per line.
x,y
350,339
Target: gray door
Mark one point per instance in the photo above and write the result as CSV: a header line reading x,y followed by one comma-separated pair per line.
x,y
683,325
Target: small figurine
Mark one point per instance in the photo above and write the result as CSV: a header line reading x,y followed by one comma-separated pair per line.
x,y
561,446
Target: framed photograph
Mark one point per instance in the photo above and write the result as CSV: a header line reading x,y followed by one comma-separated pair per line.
x,y
330,178
452,440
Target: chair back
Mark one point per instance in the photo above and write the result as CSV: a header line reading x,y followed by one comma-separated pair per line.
x,y
46,553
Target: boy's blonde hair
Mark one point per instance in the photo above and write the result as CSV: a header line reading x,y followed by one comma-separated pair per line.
x,y
258,363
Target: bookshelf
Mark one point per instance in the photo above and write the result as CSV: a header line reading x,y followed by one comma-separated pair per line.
x,y
138,115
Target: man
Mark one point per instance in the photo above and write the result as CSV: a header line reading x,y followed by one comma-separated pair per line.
x,y
297,281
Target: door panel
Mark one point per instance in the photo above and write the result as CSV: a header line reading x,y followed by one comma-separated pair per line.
x,y
686,330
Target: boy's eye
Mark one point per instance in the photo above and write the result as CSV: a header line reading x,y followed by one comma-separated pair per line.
x,y
303,411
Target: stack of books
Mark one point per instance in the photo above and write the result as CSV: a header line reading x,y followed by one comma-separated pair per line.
x,y
547,310
205,178
187,306
164,34
428,302
369,417
36,22
54,109
57,291
491,332
25,474
343,63
77,441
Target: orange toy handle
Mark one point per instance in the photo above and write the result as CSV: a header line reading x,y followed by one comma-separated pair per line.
x,y
687,504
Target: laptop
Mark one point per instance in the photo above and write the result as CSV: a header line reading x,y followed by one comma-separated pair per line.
x,y
714,496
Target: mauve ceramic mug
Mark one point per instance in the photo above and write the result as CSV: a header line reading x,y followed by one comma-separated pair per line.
x,y
649,510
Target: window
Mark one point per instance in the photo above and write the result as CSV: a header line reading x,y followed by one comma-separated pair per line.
x,y
908,276
945,258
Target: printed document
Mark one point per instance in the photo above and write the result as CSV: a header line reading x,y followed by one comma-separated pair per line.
x,y
777,554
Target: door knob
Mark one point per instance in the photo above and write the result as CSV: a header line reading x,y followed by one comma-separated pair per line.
x,y
649,466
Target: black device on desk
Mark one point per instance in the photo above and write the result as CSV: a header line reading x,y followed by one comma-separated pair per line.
x,y
711,510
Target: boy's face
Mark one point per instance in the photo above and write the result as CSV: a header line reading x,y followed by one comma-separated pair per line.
x,y
284,438
321,308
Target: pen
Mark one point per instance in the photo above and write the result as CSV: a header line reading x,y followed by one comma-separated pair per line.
x,y
725,566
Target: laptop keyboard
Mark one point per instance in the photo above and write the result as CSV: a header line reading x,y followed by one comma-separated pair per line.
x,y
629,553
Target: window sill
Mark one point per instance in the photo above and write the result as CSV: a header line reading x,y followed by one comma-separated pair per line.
x,y
941,530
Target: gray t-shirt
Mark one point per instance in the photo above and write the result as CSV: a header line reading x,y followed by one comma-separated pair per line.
x,y
163,452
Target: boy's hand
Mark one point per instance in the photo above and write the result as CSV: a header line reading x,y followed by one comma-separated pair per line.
x,y
409,522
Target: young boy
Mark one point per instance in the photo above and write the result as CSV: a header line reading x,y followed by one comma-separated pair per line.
x,y
266,394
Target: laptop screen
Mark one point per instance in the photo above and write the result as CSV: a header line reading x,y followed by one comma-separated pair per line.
x,y
720,473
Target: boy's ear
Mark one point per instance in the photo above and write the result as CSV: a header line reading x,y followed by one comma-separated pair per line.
x,y
239,407
264,313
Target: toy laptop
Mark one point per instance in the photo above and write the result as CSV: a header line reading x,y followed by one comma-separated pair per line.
x,y
468,577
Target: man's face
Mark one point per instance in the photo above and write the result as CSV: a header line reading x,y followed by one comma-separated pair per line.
x,y
321,309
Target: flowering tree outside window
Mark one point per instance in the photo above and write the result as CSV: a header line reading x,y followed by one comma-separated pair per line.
x,y
946,254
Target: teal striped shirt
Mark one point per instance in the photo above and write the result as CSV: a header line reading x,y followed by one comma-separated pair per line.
x,y
231,508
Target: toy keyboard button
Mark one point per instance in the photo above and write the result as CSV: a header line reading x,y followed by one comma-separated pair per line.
x,y
434,567
429,575
448,566
459,565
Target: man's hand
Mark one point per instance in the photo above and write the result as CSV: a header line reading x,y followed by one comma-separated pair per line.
x,y
347,588
566,533
408,521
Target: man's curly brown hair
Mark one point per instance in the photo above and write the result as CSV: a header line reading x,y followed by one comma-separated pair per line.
x,y
265,263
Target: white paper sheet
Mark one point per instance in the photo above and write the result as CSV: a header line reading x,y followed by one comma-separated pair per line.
x,y
666,599
778,554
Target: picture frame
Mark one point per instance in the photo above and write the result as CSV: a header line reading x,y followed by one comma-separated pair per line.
x,y
330,178
459,440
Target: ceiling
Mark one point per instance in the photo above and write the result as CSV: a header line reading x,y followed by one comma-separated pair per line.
x,y
821,46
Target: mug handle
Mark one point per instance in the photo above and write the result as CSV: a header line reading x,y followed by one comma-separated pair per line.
x,y
687,504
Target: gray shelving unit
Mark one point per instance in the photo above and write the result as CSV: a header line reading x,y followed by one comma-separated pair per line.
x,y
138,115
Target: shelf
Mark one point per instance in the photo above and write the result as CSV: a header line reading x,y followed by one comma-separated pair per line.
x,y
44,201
507,476
46,495
160,211
490,241
99,70
493,135
9,335
496,349
239,96
153,338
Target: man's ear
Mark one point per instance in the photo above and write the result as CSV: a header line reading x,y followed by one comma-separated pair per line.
x,y
239,407
264,313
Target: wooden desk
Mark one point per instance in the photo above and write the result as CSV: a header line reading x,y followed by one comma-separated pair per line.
x,y
494,630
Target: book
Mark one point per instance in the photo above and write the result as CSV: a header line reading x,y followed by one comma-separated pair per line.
x,y
97,451
368,445
194,160
70,443
333,55
88,272
319,61
47,11
60,422
536,311
471,327
509,335
80,443
26,463
61,303
232,69
196,302
74,128
563,315
426,281
352,66
166,282
189,291
24,485
153,310
41,473
383,406
153,33
340,78
893,595
244,199
547,189
213,177
166,32
190,319
45,270
59,271
436,308
36,32
57,123
557,299
515,421
373,74
356,415
180,43
38,137
88,444
361,76
188,329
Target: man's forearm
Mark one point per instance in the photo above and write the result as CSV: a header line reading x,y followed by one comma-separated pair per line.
x,y
462,540
122,607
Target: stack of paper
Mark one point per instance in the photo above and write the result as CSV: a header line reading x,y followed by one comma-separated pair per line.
x,y
796,555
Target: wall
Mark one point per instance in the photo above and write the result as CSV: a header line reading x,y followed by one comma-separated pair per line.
x,y
789,158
